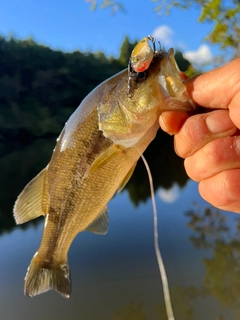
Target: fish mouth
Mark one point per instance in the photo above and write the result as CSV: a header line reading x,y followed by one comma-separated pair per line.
x,y
170,79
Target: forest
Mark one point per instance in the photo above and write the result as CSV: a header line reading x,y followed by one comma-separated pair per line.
x,y
40,87
39,90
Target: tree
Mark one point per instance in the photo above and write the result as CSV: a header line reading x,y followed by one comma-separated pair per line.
x,y
181,61
225,14
125,51
113,5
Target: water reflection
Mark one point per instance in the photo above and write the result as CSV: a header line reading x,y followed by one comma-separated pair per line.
x,y
213,230
133,310
116,276
19,166
166,167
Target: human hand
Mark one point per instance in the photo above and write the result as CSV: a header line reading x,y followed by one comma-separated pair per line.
x,y
210,142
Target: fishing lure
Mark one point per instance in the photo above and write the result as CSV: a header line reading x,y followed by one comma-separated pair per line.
x,y
141,58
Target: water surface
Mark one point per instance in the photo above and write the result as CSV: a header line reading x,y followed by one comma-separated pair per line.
x,y
116,276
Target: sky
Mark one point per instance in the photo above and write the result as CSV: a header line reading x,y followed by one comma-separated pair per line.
x,y
71,25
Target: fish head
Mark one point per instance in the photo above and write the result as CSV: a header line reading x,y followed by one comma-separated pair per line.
x,y
126,118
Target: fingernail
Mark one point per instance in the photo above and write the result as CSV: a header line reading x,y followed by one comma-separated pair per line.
x,y
219,121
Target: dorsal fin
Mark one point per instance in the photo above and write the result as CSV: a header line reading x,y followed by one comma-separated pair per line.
x,y
32,201
99,225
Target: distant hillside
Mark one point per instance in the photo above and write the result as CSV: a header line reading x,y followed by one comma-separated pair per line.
x,y
40,87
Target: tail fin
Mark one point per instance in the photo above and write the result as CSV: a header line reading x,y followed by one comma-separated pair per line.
x,y
42,276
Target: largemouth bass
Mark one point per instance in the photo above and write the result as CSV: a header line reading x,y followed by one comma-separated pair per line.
x,y
94,157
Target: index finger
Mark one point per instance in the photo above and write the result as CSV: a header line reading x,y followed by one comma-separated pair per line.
x,y
217,89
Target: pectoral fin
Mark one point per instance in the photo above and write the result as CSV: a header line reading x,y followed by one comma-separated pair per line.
x,y
126,178
99,225
104,157
32,201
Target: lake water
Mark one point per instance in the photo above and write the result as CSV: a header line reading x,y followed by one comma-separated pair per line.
x,y
116,276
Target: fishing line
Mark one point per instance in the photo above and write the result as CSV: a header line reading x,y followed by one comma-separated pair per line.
x,y
161,267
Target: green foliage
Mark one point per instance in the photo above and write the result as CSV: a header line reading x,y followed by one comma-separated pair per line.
x,y
113,5
226,15
40,88
125,51
183,63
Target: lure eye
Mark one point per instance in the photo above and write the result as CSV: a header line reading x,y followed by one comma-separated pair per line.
x,y
134,60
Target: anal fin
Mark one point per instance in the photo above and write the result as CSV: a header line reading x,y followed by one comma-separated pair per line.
x,y
32,201
99,225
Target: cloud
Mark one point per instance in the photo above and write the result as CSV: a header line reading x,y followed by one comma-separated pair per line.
x,y
164,35
201,55
169,195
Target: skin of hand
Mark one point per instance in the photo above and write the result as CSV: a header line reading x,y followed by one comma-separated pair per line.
x,y
210,141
